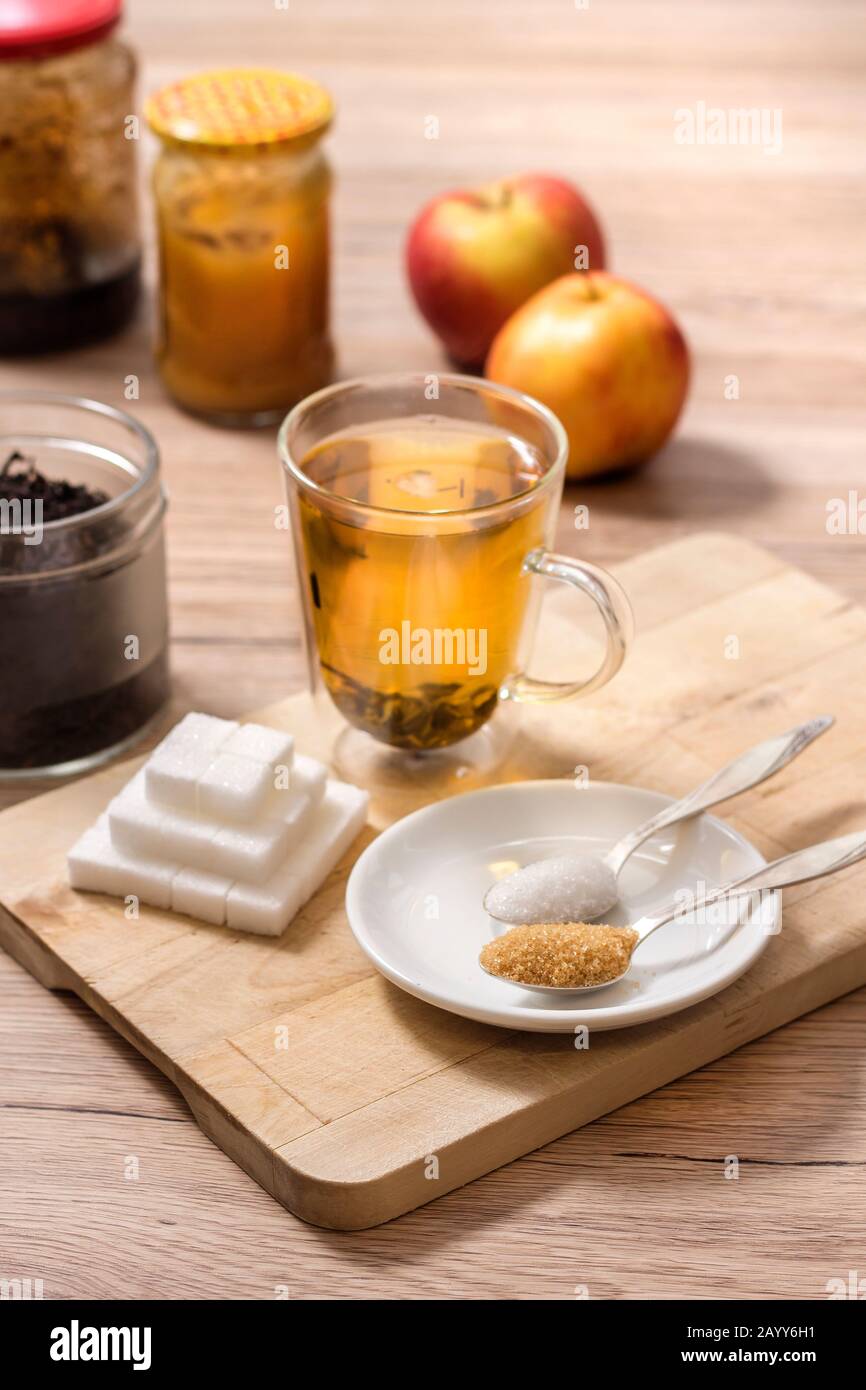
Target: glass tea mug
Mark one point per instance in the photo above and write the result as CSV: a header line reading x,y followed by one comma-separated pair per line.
x,y
423,509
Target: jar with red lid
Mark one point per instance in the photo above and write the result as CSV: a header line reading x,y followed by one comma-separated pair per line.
x,y
69,239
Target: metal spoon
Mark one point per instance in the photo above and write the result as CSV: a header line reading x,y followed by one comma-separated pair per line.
x,y
814,862
559,882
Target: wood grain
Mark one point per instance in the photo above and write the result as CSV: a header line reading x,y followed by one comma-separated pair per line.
x,y
762,260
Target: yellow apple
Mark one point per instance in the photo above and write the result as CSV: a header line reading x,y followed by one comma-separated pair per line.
x,y
607,358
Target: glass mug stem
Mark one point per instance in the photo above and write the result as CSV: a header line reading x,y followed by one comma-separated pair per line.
x,y
612,602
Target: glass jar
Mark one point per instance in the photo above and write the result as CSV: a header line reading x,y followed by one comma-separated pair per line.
x,y
69,240
83,606
242,193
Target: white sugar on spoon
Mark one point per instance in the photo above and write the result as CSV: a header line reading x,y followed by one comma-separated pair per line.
x,y
578,887
569,888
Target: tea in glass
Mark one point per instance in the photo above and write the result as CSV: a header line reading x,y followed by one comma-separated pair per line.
x,y
418,603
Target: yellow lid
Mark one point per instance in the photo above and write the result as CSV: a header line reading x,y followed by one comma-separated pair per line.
x,y
239,106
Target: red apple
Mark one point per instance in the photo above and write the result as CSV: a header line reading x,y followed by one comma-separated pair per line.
x,y
607,358
473,257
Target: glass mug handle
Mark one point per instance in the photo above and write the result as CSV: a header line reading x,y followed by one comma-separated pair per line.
x,y
613,604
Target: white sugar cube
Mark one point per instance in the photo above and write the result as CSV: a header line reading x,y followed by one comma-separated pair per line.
x,y
150,880
173,773
92,861
310,776
201,895
218,767
233,788
143,827
262,744
268,908
333,826
309,779
208,828
251,853
297,812
183,757
97,865
200,731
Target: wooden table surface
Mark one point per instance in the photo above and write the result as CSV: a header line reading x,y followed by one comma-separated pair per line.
x,y
761,257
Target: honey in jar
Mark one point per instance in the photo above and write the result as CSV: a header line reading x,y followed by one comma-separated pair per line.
x,y
242,191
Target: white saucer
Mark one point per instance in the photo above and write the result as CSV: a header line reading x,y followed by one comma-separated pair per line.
x,y
414,902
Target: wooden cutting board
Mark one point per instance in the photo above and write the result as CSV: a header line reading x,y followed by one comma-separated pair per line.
x,y
352,1102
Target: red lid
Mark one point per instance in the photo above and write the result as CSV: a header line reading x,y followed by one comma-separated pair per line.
x,y
38,28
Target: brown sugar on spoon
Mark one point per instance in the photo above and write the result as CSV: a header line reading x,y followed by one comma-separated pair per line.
x,y
567,955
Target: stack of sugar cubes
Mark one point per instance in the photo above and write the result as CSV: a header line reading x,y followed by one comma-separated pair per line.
x,y
224,823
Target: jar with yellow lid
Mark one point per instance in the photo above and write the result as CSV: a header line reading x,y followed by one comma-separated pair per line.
x,y
242,194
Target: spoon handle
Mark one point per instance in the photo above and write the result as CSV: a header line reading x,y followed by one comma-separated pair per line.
x,y
815,861
746,771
